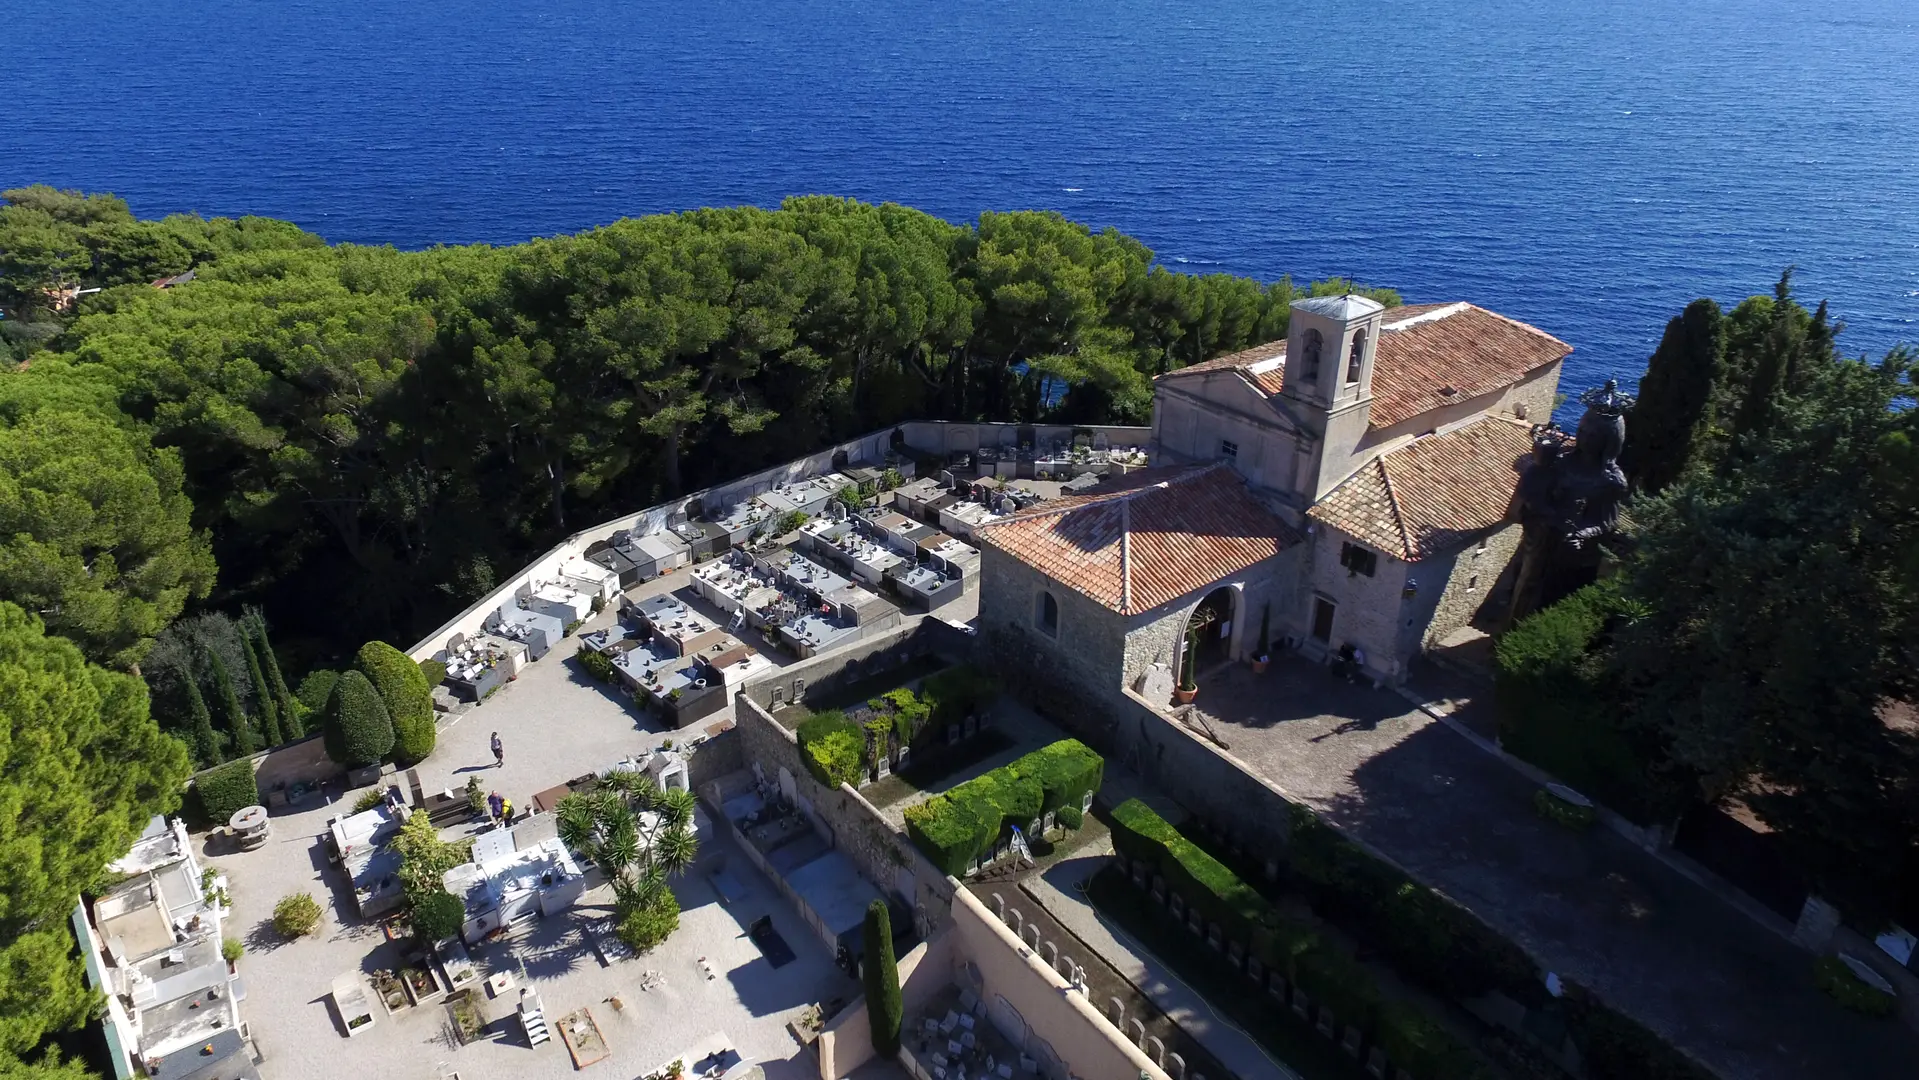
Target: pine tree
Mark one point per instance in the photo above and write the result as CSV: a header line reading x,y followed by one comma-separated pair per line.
x,y
1663,429
290,717
880,973
263,694
236,717
206,745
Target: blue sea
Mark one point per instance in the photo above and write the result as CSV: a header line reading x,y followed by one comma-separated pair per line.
x,y
1588,167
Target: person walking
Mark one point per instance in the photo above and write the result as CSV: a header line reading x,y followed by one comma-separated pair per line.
x,y
499,752
506,811
494,804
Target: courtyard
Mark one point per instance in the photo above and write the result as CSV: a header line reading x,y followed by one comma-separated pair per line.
x,y
1591,905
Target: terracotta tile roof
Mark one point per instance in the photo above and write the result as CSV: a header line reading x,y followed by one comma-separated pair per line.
x,y
1466,349
1433,493
1147,538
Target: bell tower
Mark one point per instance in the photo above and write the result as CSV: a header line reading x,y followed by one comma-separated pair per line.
x,y
1331,344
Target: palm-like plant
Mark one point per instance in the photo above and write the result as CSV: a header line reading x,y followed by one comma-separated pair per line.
x,y
675,808
674,851
620,845
578,825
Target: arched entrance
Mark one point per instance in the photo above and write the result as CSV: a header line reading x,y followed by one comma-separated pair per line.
x,y
1209,631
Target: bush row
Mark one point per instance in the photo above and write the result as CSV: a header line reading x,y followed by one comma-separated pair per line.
x,y
956,828
1292,949
226,789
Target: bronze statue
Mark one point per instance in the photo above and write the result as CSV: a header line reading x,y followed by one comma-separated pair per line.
x,y
1569,497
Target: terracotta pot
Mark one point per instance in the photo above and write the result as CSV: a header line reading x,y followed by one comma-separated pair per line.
x,y
1259,666
1185,697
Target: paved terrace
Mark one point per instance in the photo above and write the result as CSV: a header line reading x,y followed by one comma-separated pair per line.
x,y
1591,905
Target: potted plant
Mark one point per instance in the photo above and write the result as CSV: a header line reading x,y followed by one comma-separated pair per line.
x,y
475,798
1188,685
1261,654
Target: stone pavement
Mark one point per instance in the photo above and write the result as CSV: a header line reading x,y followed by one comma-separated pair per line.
x,y
1057,890
1590,905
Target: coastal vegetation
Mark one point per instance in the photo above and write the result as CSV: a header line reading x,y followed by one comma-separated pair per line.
x,y
1756,645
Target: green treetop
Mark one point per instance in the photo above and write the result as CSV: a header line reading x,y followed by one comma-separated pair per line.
x,y
356,726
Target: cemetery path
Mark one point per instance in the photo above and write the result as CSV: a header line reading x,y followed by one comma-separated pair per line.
x,y
1056,891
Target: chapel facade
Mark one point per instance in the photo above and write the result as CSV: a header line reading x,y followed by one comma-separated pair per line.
x,y
1351,488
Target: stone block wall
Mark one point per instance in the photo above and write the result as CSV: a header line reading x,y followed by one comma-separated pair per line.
x,y
1471,584
820,676
882,853
1157,636
1085,657
1367,608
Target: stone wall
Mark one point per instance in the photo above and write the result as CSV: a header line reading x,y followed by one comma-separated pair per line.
x,y
844,817
1085,657
303,761
822,675
1158,636
1367,608
1473,584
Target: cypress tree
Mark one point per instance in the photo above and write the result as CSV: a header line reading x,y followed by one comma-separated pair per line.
x,y
289,712
236,717
206,745
269,712
1663,429
879,971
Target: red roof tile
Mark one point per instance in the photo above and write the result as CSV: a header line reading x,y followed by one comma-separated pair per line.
x,y
1466,350
1433,493
1149,538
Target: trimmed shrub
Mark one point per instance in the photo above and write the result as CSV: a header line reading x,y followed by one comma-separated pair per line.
x,y
1071,818
368,799
955,828
1421,1046
1832,975
356,727
1615,1047
833,748
957,692
435,673
296,915
226,789
413,740
437,915
879,972
401,683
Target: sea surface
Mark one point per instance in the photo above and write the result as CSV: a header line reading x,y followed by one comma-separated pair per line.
x,y
1587,167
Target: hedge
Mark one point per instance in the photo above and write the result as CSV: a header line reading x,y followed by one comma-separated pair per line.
x,y
1557,709
413,740
833,747
401,683
1328,974
955,828
226,789
957,692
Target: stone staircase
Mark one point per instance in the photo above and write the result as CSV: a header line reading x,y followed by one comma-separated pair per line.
x,y
533,1018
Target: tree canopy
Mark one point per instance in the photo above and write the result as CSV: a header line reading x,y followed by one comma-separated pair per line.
x,y
82,768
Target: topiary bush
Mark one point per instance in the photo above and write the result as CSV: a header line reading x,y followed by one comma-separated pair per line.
x,y
955,828
296,915
879,973
357,730
401,683
229,788
957,692
436,916
413,740
435,673
833,747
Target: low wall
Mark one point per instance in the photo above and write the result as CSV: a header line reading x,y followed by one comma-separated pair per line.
x,y
303,760
846,1043
931,435
854,826
889,648
1033,1005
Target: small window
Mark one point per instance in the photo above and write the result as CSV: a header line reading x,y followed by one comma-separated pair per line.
x,y
1472,583
1229,449
1047,617
1358,560
1358,357
1309,348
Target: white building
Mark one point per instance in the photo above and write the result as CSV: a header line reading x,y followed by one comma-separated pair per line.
x,y
152,946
